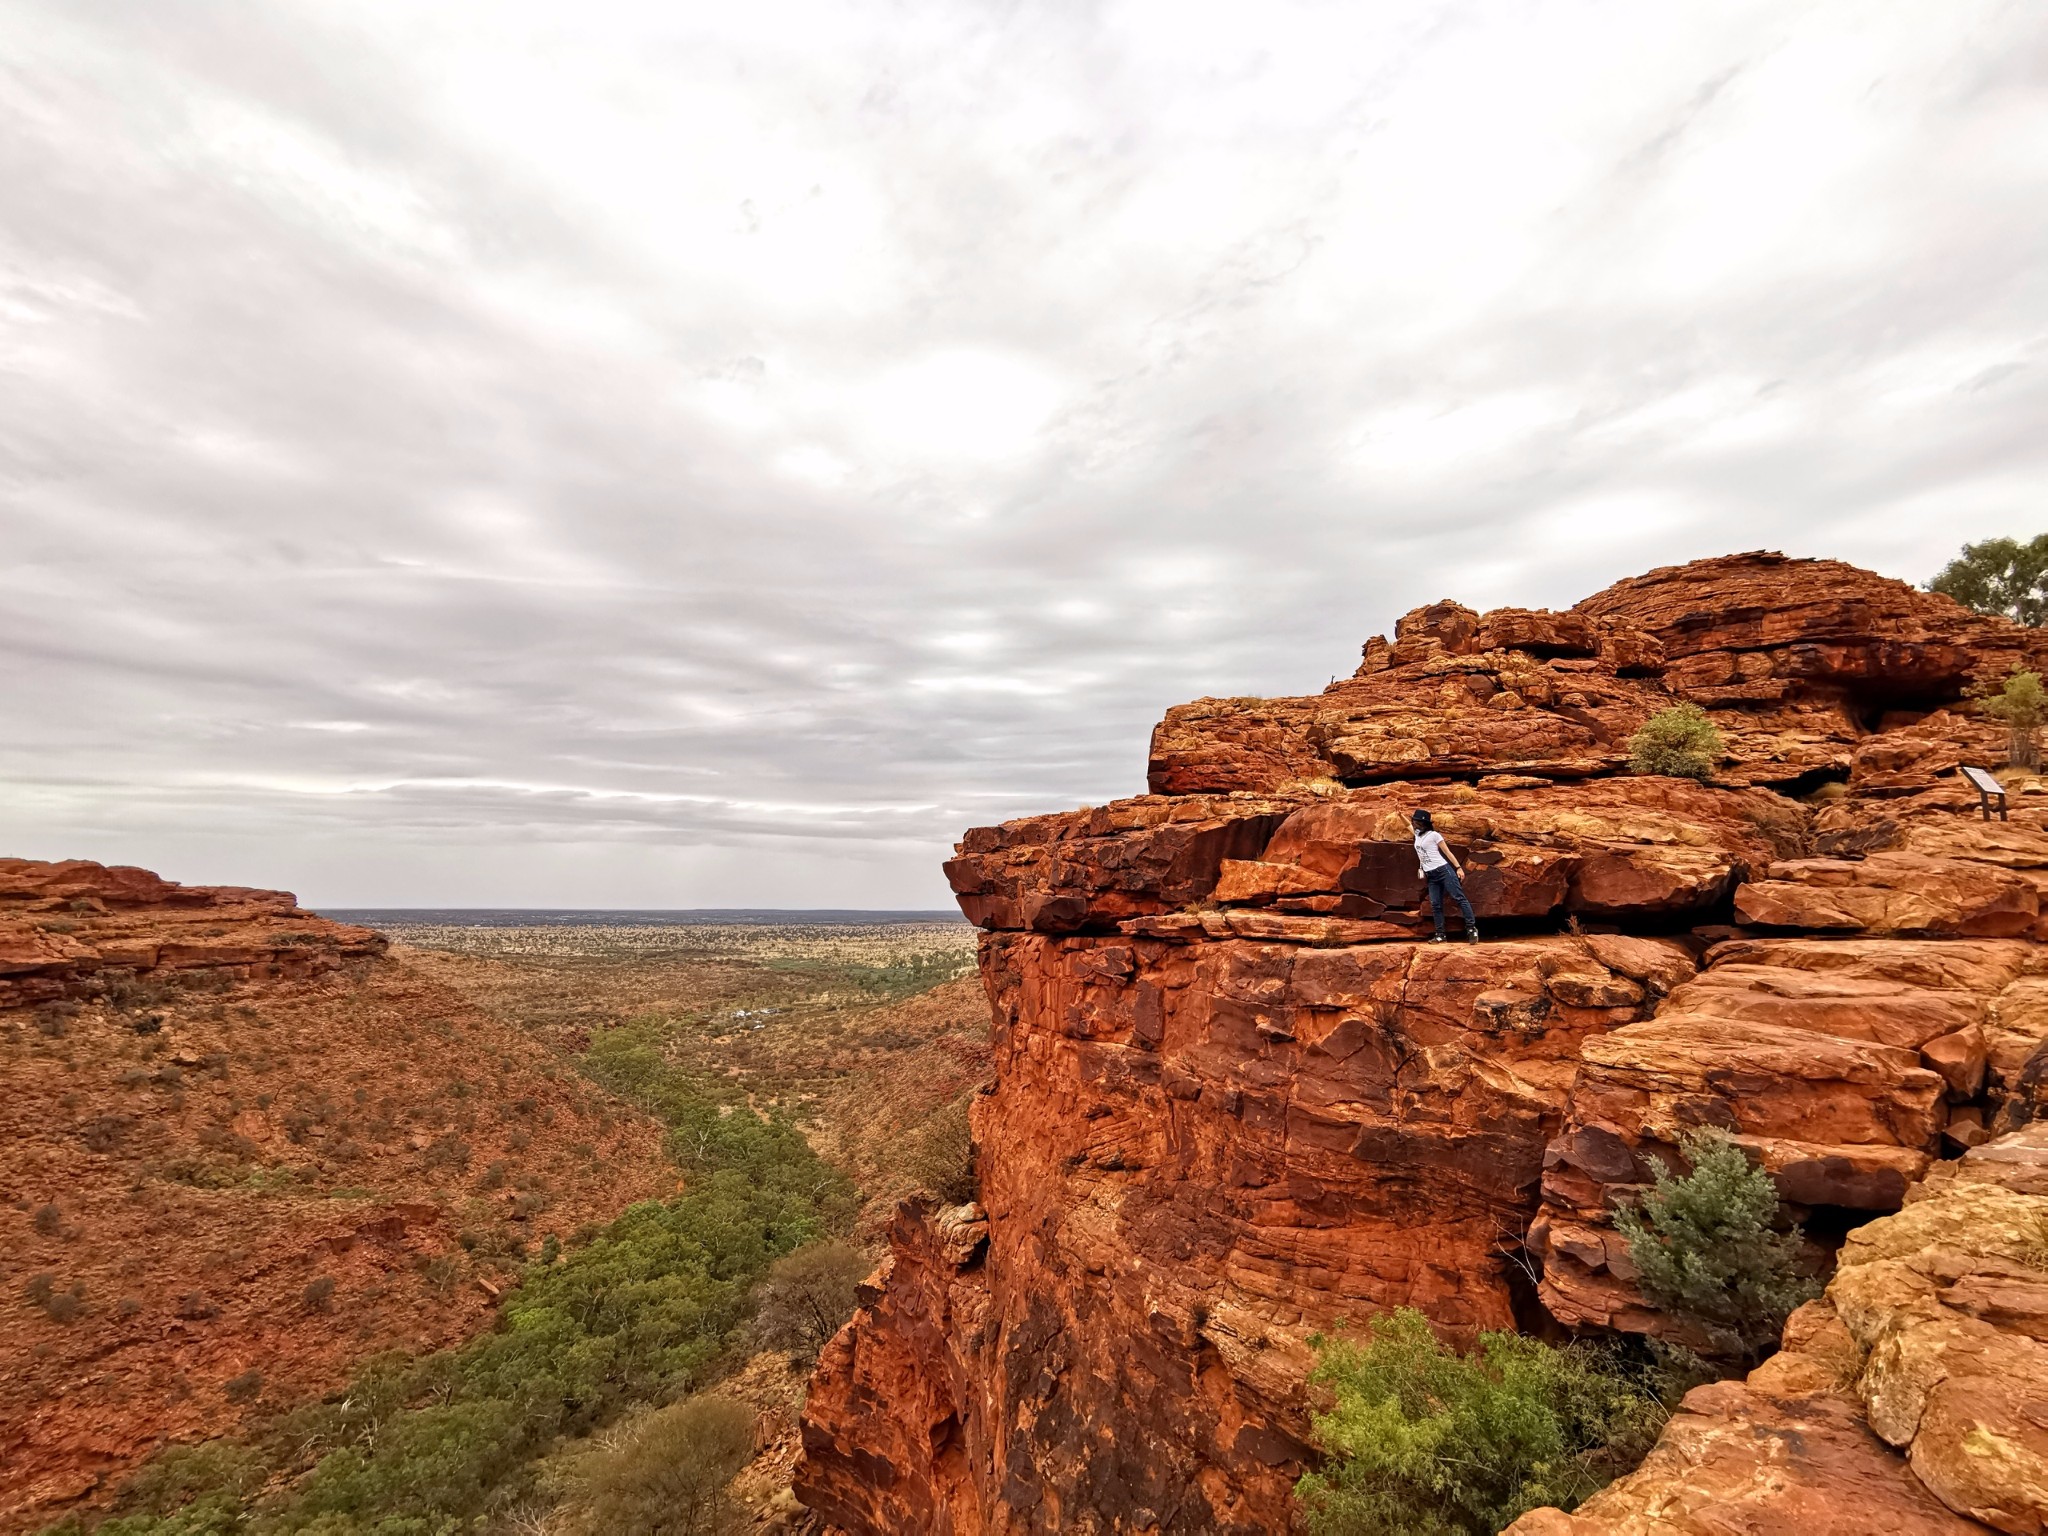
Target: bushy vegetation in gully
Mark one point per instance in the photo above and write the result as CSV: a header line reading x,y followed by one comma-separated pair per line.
x,y
1710,1252
645,1313
1423,1441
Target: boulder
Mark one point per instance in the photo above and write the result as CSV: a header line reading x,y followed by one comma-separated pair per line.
x,y
1739,1461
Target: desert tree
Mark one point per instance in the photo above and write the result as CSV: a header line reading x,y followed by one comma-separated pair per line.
x,y
1710,1251
2000,576
2022,703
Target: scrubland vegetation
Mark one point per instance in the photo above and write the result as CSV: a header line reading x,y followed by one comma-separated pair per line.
x,y
1424,1441
644,1313
592,1406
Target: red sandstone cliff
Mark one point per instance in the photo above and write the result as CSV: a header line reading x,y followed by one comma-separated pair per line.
x,y
1236,1100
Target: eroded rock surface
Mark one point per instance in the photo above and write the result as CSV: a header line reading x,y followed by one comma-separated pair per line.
x,y
1238,1096
1911,1399
63,925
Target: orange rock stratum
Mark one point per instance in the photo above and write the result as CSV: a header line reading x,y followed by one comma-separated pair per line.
x,y
1238,1097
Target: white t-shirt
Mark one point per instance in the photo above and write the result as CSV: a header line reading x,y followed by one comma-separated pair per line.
x,y
1429,848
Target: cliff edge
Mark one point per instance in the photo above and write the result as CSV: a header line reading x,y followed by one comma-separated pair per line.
x,y
1238,1096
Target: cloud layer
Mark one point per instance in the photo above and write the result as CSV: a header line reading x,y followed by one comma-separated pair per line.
x,y
645,455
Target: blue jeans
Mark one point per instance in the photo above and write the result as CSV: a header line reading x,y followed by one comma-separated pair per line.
x,y
1444,882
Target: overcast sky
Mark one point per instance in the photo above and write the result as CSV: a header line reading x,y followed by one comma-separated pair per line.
x,y
679,454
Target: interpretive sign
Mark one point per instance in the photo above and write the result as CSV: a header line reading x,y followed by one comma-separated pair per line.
x,y
1988,789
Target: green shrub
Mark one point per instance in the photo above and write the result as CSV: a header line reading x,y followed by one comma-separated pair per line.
x,y
669,1477
1708,1248
2022,703
1680,741
807,1296
1423,1441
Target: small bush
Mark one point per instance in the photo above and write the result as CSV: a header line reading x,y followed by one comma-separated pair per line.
x,y
1709,1252
806,1297
2022,703
60,1306
1680,742
318,1296
49,1221
669,1477
528,1203
1426,1442
245,1388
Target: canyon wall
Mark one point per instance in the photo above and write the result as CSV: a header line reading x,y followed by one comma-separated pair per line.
x,y
242,1149
1239,1096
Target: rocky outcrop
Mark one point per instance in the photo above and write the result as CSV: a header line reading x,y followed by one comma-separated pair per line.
x,y
1912,1399
1800,661
66,928
1238,1096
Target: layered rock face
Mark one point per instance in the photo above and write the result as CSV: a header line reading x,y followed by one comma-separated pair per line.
x,y
64,926
1238,1095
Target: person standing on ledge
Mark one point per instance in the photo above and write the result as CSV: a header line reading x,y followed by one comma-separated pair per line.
x,y
1440,867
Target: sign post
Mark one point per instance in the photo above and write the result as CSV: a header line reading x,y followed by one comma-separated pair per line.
x,y
1987,787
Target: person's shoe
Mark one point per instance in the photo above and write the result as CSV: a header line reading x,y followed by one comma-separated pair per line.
x,y
1438,939
1471,935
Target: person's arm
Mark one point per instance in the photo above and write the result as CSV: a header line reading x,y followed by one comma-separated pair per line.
x,y
1445,844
